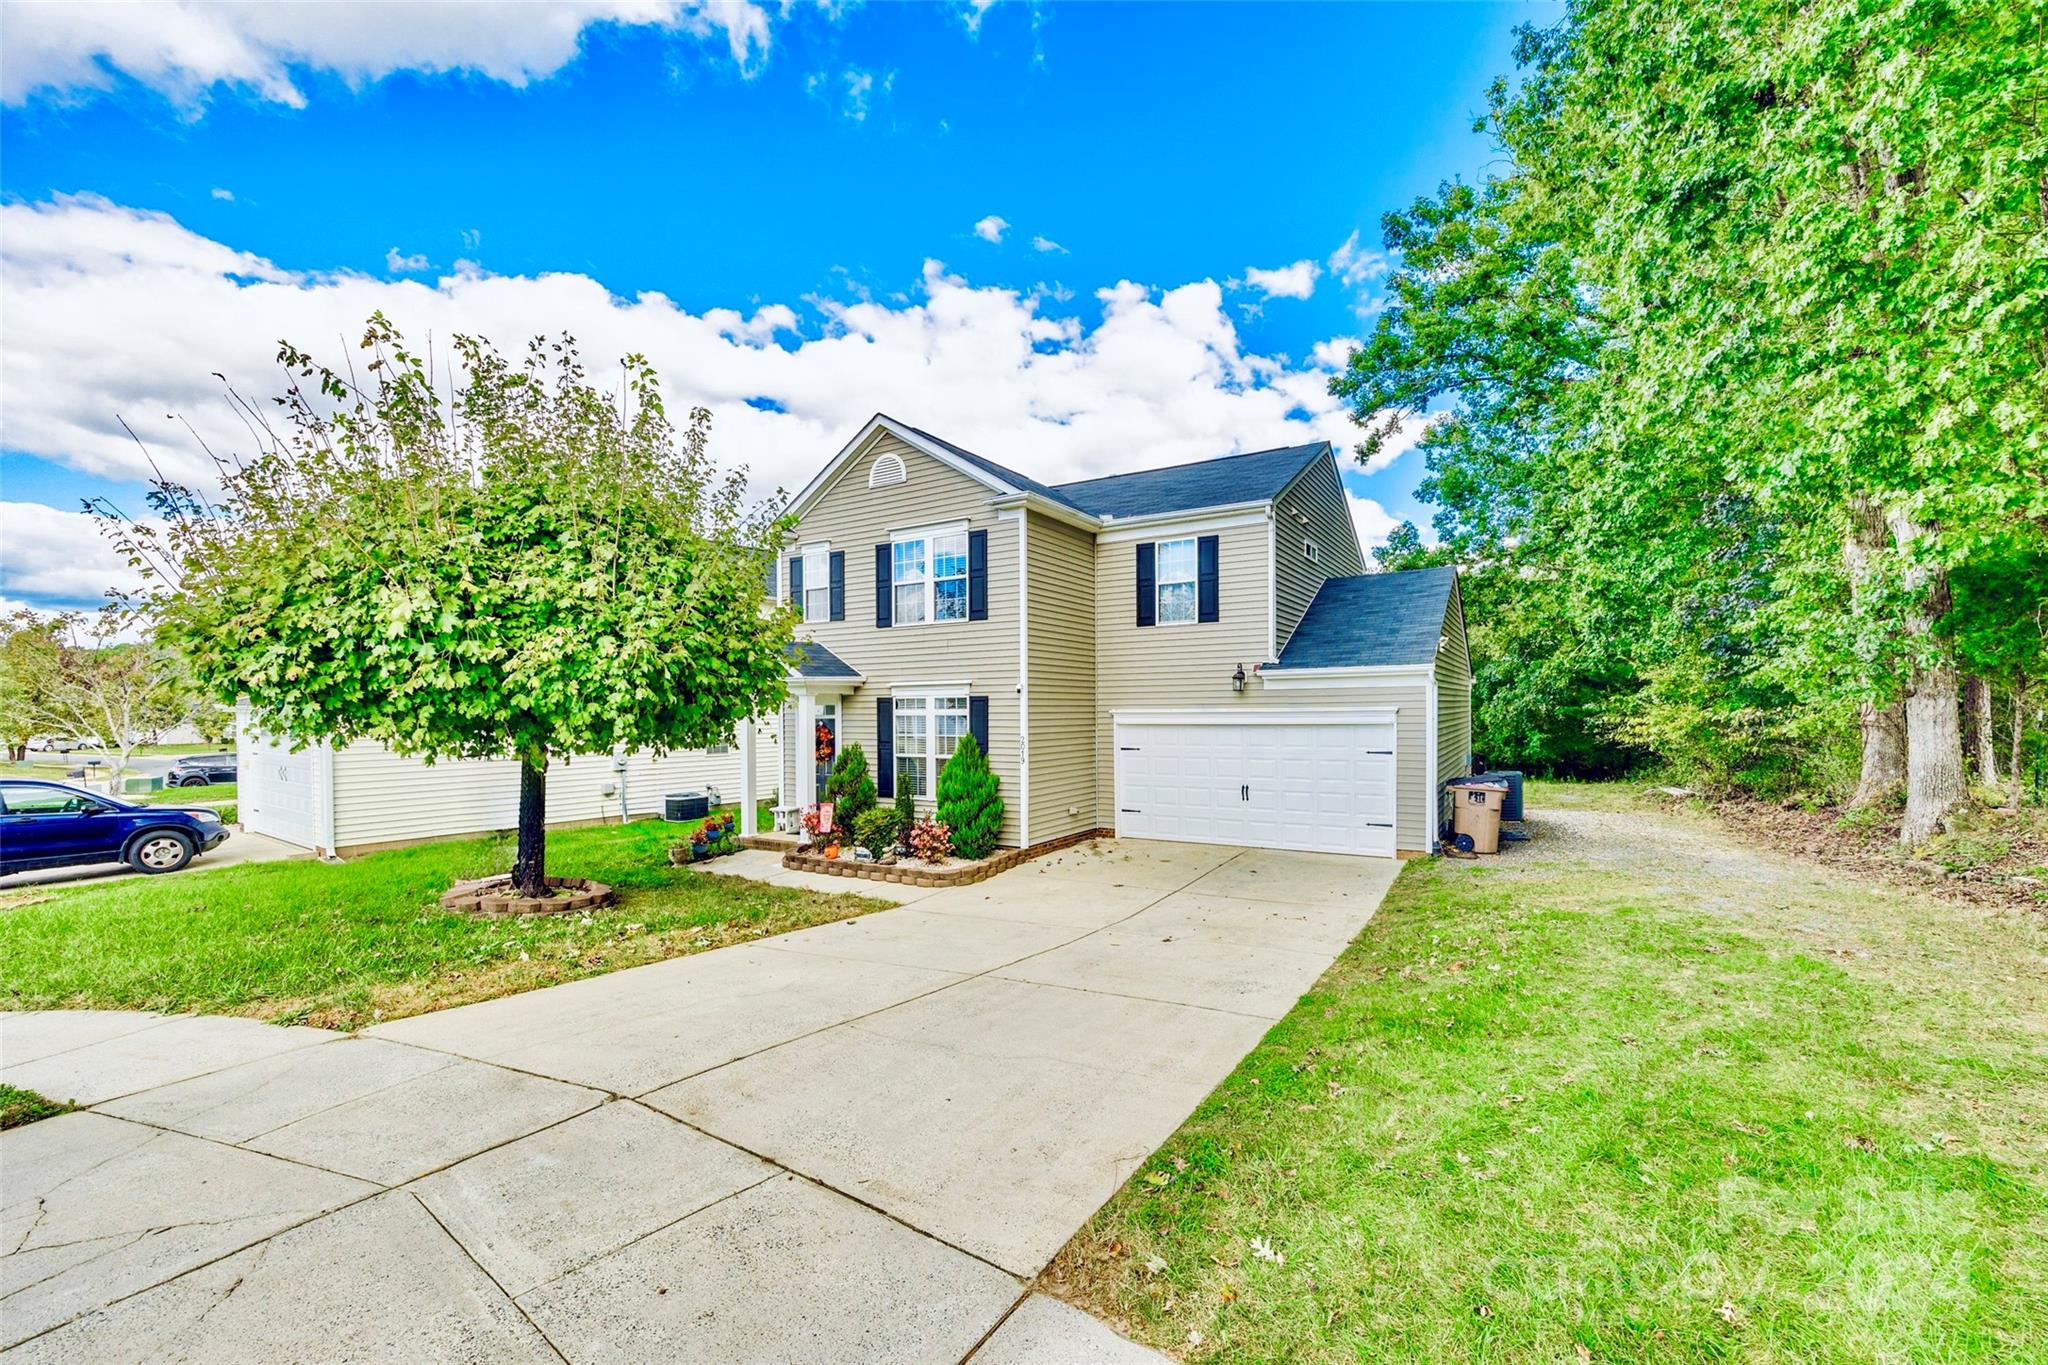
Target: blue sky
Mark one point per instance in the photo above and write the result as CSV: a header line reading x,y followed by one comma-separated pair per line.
x,y
780,181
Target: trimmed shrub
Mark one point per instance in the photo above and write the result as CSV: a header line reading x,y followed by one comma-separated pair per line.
x,y
849,787
968,802
906,814
875,830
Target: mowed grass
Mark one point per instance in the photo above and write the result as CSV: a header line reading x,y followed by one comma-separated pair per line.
x,y
1640,1106
184,796
345,945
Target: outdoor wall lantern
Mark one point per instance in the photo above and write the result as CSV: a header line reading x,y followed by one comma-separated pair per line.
x,y
1237,679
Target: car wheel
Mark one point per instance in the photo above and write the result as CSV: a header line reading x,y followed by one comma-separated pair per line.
x,y
191,781
162,850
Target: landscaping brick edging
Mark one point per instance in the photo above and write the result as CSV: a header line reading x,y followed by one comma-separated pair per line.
x,y
918,874
493,897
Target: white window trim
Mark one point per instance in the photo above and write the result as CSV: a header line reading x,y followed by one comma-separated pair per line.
x,y
822,549
929,754
928,534
1311,551
1159,581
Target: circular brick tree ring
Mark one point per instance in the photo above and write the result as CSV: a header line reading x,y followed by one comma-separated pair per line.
x,y
495,898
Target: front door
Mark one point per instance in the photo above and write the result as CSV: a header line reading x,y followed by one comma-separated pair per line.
x,y
825,742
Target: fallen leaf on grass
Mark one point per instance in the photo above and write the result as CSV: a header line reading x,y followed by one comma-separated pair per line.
x,y
1860,1143
1263,1249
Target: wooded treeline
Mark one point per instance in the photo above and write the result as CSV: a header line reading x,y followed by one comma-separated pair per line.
x,y
1740,367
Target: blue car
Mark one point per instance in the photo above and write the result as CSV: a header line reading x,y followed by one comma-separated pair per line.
x,y
47,824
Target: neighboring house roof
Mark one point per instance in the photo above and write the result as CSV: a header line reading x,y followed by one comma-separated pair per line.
x,y
1372,620
1022,483
1228,479
810,659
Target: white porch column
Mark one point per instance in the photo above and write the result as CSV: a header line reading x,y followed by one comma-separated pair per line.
x,y
749,800
806,749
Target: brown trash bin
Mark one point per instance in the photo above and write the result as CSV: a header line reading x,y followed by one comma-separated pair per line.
x,y
1476,811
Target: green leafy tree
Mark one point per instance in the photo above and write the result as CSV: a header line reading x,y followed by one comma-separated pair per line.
x,y
29,652
501,562
110,688
850,787
968,801
1735,368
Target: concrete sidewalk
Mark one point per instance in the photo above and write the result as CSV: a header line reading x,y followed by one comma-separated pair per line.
x,y
858,1142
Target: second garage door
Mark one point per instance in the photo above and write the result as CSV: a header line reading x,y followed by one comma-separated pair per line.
x,y
1324,783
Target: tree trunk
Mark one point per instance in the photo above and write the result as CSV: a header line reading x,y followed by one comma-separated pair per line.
x,y
1884,727
530,863
2019,728
1934,733
1977,729
1884,753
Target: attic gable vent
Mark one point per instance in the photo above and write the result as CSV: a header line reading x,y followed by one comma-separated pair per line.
x,y
887,470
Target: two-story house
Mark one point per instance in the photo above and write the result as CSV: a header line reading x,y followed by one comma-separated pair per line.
x,y
1192,653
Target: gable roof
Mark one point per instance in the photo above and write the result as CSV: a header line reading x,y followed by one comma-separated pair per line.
x,y
1372,620
1228,479
1018,482
809,659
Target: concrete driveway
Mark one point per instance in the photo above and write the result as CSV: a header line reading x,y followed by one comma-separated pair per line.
x,y
858,1142
241,847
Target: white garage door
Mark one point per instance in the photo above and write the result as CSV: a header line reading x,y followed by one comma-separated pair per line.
x,y
1324,783
280,790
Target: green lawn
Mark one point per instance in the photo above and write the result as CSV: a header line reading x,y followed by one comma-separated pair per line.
x,y
1629,1092
18,1106
344,945
209,794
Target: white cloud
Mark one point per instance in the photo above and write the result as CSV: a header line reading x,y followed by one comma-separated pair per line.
x,y
1373,522
58,556
1335,353
1296,281
991,228
1047,244
860,89
185,49
1354,264
227,196
972,12
119,312
472,238
398,263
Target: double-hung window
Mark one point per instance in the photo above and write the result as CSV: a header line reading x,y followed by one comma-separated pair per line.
x,y
1176,589
817,583
928,729
929,570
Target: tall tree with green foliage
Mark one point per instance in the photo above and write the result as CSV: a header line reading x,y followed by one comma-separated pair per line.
x,y
1742,361
499,562
30,647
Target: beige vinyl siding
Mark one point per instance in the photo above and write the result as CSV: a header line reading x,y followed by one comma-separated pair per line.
x,y
382,798
1317,495
982,654
1139,667
1453,694
1060,565
1412,822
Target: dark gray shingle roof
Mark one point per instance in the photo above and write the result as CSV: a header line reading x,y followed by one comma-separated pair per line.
x,y
1372,620
812,660
1003,472
1185,487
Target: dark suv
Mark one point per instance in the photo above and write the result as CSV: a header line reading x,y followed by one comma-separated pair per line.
x,y
200,770
47,824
